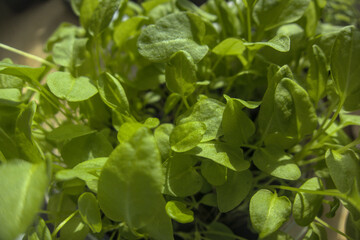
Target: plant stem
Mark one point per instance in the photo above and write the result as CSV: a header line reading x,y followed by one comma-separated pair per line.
x,y
322,222
28,55
53,235
185,102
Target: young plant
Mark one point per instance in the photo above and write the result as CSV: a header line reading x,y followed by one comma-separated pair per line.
x,y
162,120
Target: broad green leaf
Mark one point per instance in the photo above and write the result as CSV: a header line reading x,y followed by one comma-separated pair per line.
x,y
306,206
234,191
162,134
268,212
187,5
10,96
127,130
68,131
89,211
318,74
170,34
88,171
112,93
8,145
151,4
344,169
102,16
25,73
130,185
180,74
186,136
269,14
8,81
223,154
182,178
237,126
70,52
280,43
208,111
86,11
39,232
124,30
209,200
63,31
179,212
214,173
149,77
65,86
22,189
345,69
276,162
230,46
93,145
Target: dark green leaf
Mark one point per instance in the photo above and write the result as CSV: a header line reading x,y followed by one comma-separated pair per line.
x,y
69,131
214,173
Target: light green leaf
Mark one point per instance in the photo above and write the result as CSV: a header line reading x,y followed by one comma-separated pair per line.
x,y
344,169
214,173
70,52
180,74
230,46
170,34
86,11
234,191
126,29
127,130
112,93
280,43
237,126
179,212
88,171
65,86
222,154
22,190
274,161
25,73
89,211
162,135
10,96
8,81
306,206
130,185
318,74
187,5
269,14
181,177
345,69
268,212
186,136
208,111
68,131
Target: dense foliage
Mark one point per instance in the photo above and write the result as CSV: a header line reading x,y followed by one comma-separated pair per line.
x,y
162,120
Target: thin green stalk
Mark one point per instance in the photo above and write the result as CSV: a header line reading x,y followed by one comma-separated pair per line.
x,y
28,55
185,102
53,235
325,224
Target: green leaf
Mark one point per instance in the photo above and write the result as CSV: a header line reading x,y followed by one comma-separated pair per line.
x,y
268,212
127,130
179,212
88,171
25,73
209,200
130,185
316,232
230,46
318,74
112,93
181,177
208,111
306,206
344,169
70,52
86,11
89,211
65,86
93,145
187,5
234,191
162,135
269,14
127,29
237,126
68,131
214,173
186,136
345,69
39,232
10,96
8,81
274,161
170,34
280,43
180,74
222,154
217,230
22,189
